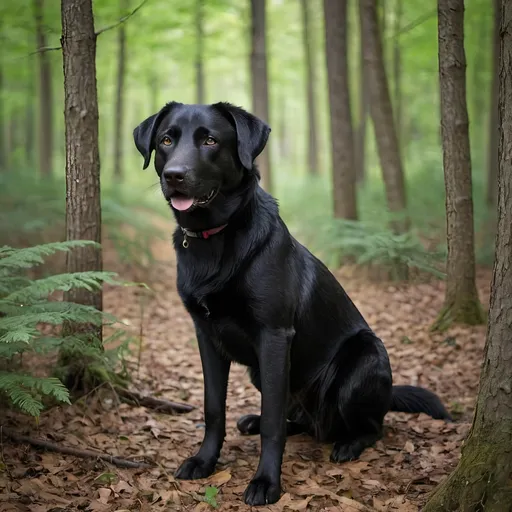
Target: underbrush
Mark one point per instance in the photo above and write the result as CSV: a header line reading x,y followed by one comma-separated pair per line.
x,y
35,213
306,205
31,323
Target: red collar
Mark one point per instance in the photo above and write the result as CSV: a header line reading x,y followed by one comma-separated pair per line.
x,y
207,233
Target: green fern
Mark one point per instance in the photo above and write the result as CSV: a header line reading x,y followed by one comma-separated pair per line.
x,y
24,307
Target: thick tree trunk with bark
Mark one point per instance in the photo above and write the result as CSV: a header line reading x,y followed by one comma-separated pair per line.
x,y
382,115
259,80
83,207
342,137
492,171
481,480
45,95
461,301
312,137
199,52
119,108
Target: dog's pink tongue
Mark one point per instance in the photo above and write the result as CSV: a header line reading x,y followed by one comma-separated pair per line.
x,y
182,203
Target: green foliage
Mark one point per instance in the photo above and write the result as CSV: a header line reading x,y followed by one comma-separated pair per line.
x,y
25,307
31,215
210,496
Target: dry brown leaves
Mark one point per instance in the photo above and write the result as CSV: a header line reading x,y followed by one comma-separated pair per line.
x,y
396,475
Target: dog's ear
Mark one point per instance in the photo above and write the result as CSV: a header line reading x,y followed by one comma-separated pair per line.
x,y
144,134
252,133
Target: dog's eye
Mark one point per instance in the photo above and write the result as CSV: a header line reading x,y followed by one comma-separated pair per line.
x,y
210,141
166,141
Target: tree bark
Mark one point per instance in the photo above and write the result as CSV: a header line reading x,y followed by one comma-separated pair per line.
x,y
461,301
397,72
259,80
3,148
200,94
481,480
45,95
342,137
312,137
119,113
360,141
492,171
83,207
382,116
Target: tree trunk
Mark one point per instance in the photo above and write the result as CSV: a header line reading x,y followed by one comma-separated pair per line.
x,y
397,72
492,171
45,95
260,82
461,301
119,109
342,137
382,116
312,137
3,148
360,141
481,480
83,207
199,52
283,129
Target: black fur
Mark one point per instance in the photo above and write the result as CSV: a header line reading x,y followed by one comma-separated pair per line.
x,y
258,297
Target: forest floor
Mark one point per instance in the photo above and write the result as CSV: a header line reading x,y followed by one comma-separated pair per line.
x,y
396,475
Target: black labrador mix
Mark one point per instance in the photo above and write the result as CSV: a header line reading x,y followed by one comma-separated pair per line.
x,y
259,298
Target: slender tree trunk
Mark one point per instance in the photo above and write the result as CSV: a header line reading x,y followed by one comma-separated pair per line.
x,y
492,171
342,137
119,109
397,71
200,97
382,116
360,147
260,82
481,480
45,95
283,129
312,137
83,207
3,148
461,301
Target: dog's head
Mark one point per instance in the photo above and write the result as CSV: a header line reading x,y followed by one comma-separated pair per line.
x,y
200,150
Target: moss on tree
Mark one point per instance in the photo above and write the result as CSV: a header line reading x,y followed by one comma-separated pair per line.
x,y
481,481
464,310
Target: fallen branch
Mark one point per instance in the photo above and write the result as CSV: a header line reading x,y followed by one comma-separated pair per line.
x,y
120,21
86,454
159,405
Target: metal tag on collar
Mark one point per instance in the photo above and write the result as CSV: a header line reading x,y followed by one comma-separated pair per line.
x,y
185,241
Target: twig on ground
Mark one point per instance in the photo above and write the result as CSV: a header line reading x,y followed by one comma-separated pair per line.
x,y
164,406
86,454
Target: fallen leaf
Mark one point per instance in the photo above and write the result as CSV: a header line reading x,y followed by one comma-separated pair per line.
x,y
220,478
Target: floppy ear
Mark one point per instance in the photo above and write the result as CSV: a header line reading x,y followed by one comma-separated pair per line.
x,y
144,134
252,133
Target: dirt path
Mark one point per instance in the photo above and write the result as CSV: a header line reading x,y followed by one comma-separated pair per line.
x,y
414,455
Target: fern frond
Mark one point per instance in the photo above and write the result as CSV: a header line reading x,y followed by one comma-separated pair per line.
x,y
61,282
12,258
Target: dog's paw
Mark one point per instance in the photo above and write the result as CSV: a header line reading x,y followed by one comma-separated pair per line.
x,y
262,491
343,452
194,468
249,424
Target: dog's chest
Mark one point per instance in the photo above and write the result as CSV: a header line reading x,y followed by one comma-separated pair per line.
x,y
230,324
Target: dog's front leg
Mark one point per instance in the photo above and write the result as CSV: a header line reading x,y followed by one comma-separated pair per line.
x,y
215,373
274,360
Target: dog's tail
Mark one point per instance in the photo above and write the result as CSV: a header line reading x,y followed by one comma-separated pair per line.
x,y
415,399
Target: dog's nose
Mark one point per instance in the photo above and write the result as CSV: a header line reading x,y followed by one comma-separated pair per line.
x,y
174,175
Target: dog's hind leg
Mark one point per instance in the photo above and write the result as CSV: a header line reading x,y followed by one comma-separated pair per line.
x,y
249,425
355,396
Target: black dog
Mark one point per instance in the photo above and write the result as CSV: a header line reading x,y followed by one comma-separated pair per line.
x,y
259,298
